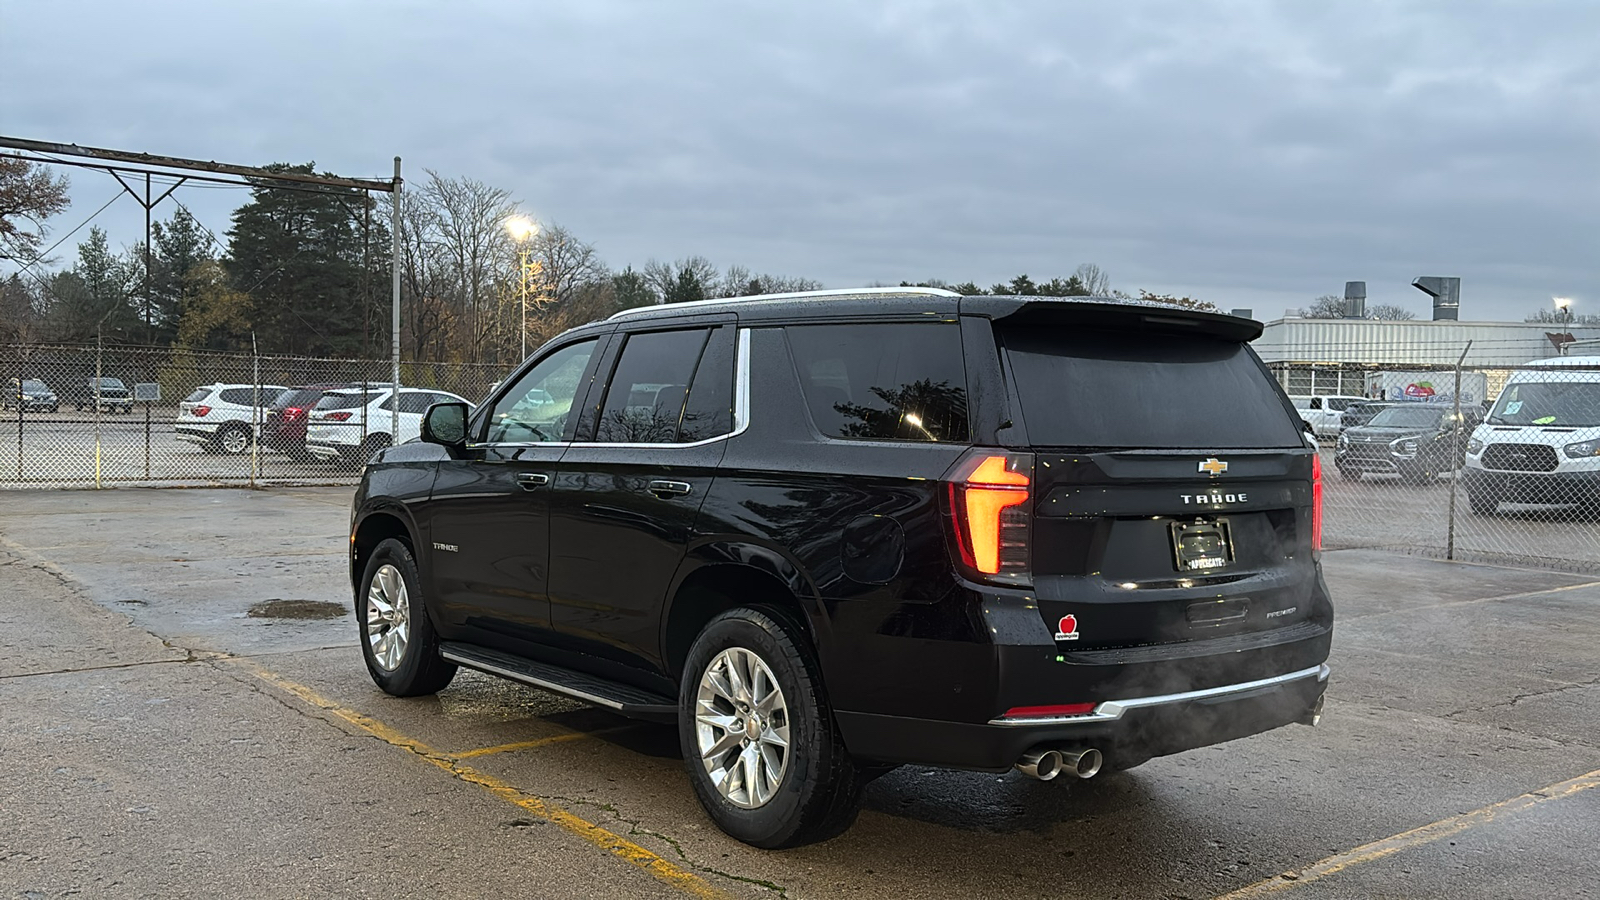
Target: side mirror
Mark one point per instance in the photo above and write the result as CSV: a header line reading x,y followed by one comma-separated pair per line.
x,y
446,424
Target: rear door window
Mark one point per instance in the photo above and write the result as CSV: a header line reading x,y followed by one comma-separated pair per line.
x,y
1084,388
343,401
646,395
889,382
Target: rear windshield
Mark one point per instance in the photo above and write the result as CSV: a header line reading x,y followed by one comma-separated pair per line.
x,y
198,395
299,399
344,401
1104,389
1548,403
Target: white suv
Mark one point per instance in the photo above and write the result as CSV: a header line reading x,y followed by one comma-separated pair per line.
x,y
223,418
353,423
1324,413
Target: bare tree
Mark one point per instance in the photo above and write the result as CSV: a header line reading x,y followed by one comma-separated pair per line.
x,y
28,196
1328,306
469,219
1388,312
1093,280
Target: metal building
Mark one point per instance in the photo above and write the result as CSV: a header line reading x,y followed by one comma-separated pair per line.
x,y
1334,356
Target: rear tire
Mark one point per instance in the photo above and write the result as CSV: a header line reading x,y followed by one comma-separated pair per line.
x,y
817,791
232,440
398,642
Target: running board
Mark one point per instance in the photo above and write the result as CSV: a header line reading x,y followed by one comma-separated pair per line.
x,y
625,699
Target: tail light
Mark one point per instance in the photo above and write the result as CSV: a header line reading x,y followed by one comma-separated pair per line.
x,y
1316,503
290,413
200,411
992,516
337,416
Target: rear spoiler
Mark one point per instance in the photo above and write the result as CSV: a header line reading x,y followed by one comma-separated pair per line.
x,y
1106,312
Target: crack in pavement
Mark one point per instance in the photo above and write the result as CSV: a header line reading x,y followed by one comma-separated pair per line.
x,y
637,829
190,657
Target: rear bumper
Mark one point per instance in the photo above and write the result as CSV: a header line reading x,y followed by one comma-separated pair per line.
x,y
1129,730
195,434
326,451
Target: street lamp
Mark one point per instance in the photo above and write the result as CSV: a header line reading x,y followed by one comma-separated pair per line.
x,y
522,229
1563,308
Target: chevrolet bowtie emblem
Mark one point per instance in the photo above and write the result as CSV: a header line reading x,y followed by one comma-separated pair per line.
x,y
1213,467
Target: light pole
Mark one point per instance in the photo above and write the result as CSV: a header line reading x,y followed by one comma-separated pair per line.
x,y
1563,308
522,229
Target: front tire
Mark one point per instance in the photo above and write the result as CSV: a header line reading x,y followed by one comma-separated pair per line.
x,y
759,741
398,642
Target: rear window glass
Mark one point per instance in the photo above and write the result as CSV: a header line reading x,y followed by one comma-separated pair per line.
x,y
198,395
1102,389
891,382
343,401
299,399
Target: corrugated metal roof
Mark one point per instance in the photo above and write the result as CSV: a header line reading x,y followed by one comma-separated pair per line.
x,y
1364,341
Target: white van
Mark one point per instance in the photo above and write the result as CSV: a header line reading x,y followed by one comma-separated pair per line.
x,y
1323,413
1541,441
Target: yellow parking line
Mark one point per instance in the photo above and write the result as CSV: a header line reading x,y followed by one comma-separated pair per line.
x,y
1416,837
539,742
673,875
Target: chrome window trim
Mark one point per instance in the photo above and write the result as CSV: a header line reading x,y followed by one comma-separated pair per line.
x,y
741,413
1112,710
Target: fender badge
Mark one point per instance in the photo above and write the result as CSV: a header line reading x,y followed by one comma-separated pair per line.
x,y
1067,630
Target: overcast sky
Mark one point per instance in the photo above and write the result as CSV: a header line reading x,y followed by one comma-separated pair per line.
x,y
1251,154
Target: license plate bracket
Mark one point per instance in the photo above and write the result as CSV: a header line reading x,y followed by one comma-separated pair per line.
x,y
1201,545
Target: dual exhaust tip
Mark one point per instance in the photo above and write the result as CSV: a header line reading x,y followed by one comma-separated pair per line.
x,y
1045,765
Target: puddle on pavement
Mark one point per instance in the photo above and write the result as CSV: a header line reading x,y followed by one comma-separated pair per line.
x,y
297,609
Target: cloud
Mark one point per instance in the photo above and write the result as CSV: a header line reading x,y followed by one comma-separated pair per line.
x,y
1252,150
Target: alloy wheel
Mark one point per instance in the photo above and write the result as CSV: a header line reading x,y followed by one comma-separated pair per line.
x,y
742,727
388,617
235,441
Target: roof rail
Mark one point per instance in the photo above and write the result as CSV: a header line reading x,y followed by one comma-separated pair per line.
x,y
795,295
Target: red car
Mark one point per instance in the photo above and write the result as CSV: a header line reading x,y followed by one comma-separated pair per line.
x,y
285,426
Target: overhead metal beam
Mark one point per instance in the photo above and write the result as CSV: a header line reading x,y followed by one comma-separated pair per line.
x,y
197,165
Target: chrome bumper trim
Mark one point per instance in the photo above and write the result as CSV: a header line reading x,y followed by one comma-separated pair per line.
x,y
1111,710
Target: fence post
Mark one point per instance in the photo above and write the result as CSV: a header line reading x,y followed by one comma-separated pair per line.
x,y
255,409
19,425
1455,454
94,397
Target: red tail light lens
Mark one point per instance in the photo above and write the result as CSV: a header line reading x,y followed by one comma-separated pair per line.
x,y
1316,503
338,417
290,413
200,411
1039,712
992,516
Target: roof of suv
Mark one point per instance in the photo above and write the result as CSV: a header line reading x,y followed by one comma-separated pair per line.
x,y
1113,312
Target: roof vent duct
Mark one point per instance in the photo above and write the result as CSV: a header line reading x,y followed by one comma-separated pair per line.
x,y
1446,294
1355,299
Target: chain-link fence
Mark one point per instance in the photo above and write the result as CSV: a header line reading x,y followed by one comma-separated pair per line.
x,y
1498,465
74,416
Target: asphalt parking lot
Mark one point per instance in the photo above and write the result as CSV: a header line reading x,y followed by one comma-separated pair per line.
x,y
177,721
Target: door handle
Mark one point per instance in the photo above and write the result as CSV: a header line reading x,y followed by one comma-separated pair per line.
x,y
531,480
665,489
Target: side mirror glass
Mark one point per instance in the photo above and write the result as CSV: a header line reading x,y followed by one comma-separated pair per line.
x,y
445,423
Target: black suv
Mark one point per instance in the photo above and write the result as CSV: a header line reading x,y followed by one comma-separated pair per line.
x,y
1417,441
828,534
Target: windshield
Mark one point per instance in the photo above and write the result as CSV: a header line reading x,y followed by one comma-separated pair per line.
x,y
1548,403
1101,389
110,384
1408,417
33,384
